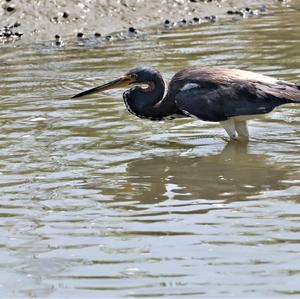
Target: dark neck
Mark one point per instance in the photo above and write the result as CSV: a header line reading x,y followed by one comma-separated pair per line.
x,y
149,103
141,102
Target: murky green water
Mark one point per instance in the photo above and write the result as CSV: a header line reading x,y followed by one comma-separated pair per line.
x,y
98,203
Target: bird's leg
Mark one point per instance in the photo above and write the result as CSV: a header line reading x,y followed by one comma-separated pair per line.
x,y
242,128
229,127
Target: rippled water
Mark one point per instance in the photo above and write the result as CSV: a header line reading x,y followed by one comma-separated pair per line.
x,y
98,203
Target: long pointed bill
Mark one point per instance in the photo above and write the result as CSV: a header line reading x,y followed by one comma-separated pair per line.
x,y
118,83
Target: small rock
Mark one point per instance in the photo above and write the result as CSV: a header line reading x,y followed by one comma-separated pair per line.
x,y
10,8
230,12
18,34
131,30
16,24
54,19
167,23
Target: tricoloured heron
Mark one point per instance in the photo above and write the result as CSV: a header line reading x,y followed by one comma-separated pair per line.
x,y
228,96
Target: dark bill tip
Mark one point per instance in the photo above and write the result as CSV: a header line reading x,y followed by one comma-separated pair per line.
x,y
118,83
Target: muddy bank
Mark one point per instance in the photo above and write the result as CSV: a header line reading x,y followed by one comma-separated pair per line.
x,y
41,20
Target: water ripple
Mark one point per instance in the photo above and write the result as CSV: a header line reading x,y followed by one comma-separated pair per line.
x,y
95,202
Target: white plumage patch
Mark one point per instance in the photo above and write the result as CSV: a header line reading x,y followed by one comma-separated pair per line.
x,y
189,86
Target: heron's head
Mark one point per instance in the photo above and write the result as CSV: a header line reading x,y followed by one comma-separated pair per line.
x,y
141,75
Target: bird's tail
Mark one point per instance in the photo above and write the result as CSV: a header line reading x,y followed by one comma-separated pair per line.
x,y
298,98
294,93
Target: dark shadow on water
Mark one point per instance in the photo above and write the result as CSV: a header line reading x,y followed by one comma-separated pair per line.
x,y
232,175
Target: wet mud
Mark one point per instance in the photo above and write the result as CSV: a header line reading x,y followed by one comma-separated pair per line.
x,y
92,22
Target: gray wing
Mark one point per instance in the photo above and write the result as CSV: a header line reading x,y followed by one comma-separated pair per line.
x,y
217,102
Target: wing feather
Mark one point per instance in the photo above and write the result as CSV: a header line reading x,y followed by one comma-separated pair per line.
x,y
215,102
216,94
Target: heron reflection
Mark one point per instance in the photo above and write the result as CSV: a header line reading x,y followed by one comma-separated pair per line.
x,y
232,174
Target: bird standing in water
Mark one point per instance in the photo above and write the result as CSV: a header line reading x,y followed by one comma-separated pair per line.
x,y
228,96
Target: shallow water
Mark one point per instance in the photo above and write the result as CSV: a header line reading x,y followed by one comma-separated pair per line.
x,y
98,203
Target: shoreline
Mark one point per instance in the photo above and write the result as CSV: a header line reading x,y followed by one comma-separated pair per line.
x,y
39,23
